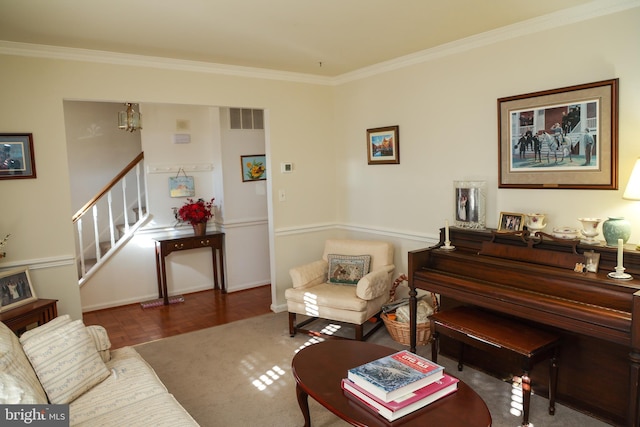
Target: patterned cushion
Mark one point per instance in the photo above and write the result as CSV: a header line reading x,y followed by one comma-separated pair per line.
x,y
348,269
46,328
66,361
101,340
18,381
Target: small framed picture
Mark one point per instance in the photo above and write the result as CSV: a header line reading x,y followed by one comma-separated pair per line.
x,y
510,221
591,261
15,289
253,167
383,145
16,156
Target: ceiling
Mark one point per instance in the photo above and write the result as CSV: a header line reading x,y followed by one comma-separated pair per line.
x,y
319,37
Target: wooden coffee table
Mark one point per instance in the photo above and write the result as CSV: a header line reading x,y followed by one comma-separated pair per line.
x,y
319,369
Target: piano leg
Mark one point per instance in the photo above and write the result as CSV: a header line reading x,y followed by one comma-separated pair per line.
x,y
526,397
553,384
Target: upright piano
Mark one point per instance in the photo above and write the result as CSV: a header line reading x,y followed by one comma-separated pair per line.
x,y
538,279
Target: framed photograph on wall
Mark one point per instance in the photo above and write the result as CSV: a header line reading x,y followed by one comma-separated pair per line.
x,y
253,167
560,138
511,221
15,289
383,145
16,156
470,201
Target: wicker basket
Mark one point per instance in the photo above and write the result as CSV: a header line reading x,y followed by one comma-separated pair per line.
x,y
400,331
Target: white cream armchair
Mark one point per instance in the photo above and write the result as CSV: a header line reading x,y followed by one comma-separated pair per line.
x,y
342,293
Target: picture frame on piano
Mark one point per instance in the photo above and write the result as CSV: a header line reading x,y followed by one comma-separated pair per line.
x,y
470,204
511,221
561,138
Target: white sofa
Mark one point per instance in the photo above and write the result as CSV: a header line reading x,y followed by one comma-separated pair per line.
x,y
66,362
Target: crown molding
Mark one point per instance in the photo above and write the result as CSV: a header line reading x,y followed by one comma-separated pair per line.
x,y
569,16
543,23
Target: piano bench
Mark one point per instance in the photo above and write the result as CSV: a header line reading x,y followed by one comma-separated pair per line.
x,y
489,332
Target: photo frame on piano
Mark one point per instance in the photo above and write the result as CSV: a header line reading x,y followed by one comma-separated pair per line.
x,y
511,221
592,259
560,138
470,201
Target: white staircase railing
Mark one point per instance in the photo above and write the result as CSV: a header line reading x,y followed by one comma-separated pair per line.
x,y
109,212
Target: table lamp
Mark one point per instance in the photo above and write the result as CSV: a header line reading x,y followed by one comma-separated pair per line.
x,y
632,192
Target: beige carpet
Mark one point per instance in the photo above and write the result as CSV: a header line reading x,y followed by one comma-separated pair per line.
x,y
239,374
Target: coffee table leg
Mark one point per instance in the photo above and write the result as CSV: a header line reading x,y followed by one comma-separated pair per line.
x,y
303,401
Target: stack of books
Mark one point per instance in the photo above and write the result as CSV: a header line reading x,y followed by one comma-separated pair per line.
x,y
398,384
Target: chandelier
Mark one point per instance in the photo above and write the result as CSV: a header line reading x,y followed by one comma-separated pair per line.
x,y
129,120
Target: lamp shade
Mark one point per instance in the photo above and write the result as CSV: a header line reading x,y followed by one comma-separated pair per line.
x,y
129,120
632,192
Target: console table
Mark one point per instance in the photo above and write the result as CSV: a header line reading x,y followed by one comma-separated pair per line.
x,y
39,311
165,246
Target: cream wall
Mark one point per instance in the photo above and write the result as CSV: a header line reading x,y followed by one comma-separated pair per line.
x,y
445,107
446,110
39,214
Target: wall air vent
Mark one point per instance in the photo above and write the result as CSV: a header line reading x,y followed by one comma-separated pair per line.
x,y
246,118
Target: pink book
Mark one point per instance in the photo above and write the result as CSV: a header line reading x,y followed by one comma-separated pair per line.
x,y
406,404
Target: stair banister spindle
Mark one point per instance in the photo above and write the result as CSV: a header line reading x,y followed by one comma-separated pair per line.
x,y
139,191
96,232
111,224
81,247
125,205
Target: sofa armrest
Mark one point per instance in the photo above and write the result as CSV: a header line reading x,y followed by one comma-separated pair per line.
x,y
376,283
310,274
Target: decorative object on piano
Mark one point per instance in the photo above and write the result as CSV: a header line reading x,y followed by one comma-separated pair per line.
x,y
592,259
619,273
535,221
15,289
447,242
557,148
511,221
590,230
398,325
615,228
565,232
470,203
383,145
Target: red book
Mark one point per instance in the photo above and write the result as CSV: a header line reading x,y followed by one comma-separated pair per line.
x,y
406,404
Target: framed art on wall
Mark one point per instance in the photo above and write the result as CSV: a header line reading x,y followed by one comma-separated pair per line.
x,y
383,145
560,138
253,167
16,156
15,289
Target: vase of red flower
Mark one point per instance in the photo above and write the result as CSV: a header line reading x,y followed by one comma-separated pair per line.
x,y
197,213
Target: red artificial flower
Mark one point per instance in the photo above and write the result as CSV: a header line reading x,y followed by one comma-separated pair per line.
x,y
195,212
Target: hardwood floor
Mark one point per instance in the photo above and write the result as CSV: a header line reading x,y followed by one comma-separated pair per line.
x,y
131,324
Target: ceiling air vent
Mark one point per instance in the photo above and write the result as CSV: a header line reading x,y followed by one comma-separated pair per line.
x,y
246,118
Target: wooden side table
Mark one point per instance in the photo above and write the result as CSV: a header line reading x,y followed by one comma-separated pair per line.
x,y
165,246
39,311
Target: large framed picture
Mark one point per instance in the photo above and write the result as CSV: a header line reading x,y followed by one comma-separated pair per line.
x,y
383,145
560,138
15,289
16,156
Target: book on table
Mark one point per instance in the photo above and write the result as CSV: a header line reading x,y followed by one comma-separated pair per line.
x,y
395,375
406,404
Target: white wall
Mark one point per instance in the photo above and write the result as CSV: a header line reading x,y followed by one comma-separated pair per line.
x,y
321,129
